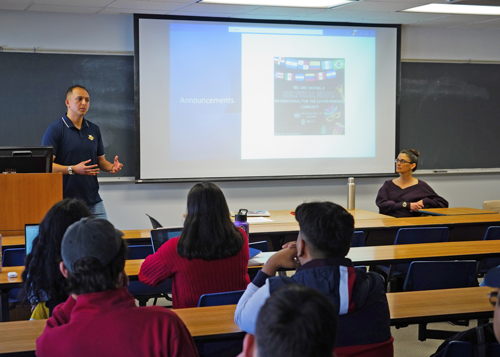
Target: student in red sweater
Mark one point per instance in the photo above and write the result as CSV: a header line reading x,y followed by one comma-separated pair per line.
x,y
100,317
210,256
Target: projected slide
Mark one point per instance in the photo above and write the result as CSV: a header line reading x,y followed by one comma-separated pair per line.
x,y
309,96
245,99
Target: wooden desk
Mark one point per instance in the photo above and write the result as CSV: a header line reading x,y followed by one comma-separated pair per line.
x,y
279,219
212,323
387,254
413,307
458,211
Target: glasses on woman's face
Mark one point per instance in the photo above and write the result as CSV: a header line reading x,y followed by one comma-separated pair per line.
x,y
402,161
493,298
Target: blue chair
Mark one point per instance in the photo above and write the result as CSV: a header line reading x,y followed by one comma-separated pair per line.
x,y
263,246
493,233
141,291
412,236
358,239
464,349
433,275
223,348
13,257
218,299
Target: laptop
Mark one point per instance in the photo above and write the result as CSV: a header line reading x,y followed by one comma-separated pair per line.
x,y
30,233
161,235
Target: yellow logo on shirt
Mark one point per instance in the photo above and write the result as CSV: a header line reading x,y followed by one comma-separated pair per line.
x,y
91,137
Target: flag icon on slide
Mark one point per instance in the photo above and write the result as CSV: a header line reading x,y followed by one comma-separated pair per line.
x,y
314,64
289,76
279,75
331,74
291,63
310,77
320,76
299,77
327,65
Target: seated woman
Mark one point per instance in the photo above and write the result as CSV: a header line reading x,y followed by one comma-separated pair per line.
x,y
210,256
405,195
44,286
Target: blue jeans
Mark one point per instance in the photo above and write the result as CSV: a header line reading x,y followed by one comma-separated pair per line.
x,y
98,210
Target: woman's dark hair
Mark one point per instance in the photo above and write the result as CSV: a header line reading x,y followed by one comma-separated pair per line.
x,y
41,276
89,276
208,231
413,155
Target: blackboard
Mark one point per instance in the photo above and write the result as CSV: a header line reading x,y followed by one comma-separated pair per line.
x,y
33,89
450,112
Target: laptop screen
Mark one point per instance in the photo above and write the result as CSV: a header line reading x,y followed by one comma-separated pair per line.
x,y
30,233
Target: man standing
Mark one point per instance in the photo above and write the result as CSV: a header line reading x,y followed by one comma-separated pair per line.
x,y
79,151
100,317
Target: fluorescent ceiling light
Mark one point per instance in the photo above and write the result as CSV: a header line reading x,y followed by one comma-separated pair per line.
x,y
289,3
456,9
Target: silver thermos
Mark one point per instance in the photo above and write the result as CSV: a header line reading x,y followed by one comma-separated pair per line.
x,y
351,192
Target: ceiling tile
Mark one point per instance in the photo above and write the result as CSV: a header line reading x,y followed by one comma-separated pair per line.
x,y
118,11
66,9
202,14
284,11
146,5
222,9
78,3
13,5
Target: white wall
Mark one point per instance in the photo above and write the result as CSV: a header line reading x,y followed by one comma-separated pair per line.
x,y
127,203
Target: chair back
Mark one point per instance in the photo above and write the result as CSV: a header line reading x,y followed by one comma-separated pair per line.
x,y
493,205
161,235
492,233
464,349
139,251
416,236
422,235
217,299
13,257
433,275
358,239
154,222
263,246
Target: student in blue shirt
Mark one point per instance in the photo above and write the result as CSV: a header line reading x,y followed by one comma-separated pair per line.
x,y
79,151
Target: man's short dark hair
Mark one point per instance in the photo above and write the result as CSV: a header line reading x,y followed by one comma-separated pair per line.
x,y
327,226
89,276
70,89
296,321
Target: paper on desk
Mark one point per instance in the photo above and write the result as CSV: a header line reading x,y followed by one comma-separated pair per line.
x,y
258,220
260,259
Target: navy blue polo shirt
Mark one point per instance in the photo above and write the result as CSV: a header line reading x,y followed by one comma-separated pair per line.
x,y
72,146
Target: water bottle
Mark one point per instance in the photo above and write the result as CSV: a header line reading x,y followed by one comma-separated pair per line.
x,y
240,220
351,192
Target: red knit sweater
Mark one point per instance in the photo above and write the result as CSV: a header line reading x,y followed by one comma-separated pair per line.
x,y
193,278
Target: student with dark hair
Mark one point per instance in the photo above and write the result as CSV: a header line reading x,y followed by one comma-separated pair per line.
x,y
405,195
44,286
210,256
295,321
79,151
319,255
100,317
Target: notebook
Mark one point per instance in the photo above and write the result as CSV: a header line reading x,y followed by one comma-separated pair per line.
x,y
30,233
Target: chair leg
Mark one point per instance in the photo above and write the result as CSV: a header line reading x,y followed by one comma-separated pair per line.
x,y
422,332
143,302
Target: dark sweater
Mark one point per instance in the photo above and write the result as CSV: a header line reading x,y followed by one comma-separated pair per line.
x,y
390,198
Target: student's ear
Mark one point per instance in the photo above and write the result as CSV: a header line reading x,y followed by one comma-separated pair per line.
x,y
63,269
249,346
301,247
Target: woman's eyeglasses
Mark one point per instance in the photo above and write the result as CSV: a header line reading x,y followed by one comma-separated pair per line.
x,y
402,161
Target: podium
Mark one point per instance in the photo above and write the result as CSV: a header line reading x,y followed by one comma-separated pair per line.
x,y
26,198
